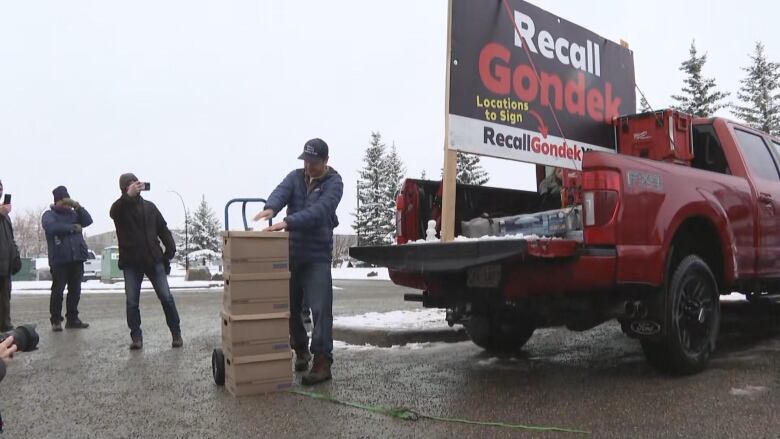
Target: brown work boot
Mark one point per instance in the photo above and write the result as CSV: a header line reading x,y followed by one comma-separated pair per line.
x,y
302,358
75,324
320,371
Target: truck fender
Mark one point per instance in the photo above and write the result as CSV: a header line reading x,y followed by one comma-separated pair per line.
x,y
710,209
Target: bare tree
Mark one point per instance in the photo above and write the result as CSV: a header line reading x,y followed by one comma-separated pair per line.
x,y
29,234
341,245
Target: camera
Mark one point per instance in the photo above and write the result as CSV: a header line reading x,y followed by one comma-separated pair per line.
x,y
7,199
25,337
147,186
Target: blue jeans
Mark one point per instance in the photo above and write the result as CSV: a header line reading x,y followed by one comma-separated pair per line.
x,y
156,274
311,283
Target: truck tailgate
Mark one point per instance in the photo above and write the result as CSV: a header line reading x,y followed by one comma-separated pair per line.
x,y
460,255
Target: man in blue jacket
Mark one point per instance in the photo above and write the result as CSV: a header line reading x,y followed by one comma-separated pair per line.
x,y
311,195
67,253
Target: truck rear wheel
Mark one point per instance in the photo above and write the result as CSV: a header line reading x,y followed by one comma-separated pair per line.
x,y
692,317
499,337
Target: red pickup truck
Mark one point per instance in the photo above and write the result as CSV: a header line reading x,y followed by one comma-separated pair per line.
x,y
660,242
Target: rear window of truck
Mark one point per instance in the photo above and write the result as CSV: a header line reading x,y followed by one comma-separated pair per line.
x,y
707,150
757,154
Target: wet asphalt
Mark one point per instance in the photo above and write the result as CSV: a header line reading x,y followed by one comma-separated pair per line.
x,y
87,384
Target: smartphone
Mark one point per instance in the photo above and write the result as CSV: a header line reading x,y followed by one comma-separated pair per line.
x,y
147,186
7,199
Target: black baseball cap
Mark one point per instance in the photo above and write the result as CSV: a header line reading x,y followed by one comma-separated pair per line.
x,y
314,150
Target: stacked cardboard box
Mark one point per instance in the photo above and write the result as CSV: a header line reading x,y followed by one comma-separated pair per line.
x,y
255,315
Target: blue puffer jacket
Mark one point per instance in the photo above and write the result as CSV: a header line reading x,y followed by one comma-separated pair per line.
x,y
65,245
311,216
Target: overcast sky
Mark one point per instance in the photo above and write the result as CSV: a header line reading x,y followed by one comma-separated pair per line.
x,y
216,98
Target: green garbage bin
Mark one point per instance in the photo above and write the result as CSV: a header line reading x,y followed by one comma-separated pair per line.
x,y
27,272
109,270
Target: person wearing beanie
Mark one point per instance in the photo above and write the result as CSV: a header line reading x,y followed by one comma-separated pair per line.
x,y
63,223
10,264
311,195
139,228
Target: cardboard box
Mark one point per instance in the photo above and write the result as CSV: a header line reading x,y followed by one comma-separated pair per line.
x,y
257,374
255,334
260,293
255,252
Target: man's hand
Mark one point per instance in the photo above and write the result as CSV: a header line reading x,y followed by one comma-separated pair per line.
x,y
134,189
7,349
264,215
276,227
5,209
70,202
76,228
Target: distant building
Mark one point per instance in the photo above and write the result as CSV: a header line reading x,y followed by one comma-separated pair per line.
x,y
98,242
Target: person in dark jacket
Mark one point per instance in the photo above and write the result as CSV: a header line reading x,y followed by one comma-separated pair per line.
x,y
67,253
10,263
139,228
550,189
311,195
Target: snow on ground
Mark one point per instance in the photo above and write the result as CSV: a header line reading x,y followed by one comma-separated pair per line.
x,y
733,297
360,273
401,320
338,344
748,391
95,286
177,282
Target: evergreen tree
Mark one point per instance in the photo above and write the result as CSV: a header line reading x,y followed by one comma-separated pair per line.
x,y
699,95
469,171
371,220
760,93
183,240
204,229
394,172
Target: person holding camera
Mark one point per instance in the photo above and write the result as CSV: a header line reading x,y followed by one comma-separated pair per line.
x,y
10,262
7,349
139,228
311,195
67,252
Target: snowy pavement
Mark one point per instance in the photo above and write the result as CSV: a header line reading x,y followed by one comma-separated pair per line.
x,y
595,380
179,284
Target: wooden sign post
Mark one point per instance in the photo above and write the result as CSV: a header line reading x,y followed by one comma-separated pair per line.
x,y
450,156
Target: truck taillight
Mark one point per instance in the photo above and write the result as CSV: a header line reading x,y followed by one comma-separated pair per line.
x,y
599,207
600,199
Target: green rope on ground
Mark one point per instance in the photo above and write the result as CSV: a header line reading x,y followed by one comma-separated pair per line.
x,y
410,415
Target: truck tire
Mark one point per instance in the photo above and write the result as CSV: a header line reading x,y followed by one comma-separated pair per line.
x,y
499,337
692,317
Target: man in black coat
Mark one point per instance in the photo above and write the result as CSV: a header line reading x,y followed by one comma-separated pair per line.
x,y
10,264
139,228
67,253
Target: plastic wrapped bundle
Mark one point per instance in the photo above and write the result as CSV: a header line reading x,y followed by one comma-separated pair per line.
x,y
548,223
